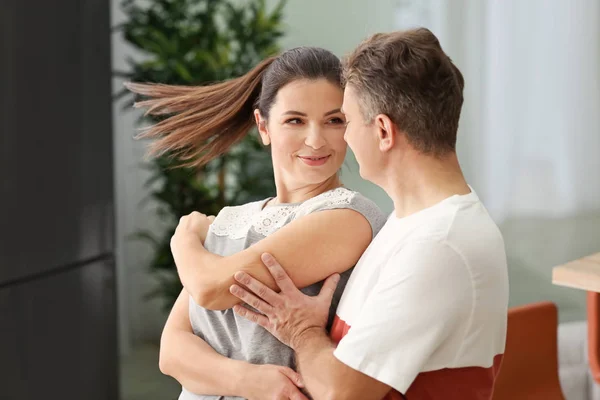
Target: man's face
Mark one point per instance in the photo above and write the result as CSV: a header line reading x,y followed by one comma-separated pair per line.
x,y
360,136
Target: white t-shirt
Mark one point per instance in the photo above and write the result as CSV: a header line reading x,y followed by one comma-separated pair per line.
x,y
425,308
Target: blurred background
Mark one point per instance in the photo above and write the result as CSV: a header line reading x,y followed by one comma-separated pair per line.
x,y
86,276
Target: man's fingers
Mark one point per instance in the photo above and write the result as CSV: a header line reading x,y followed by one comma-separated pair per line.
x,y
328,289
260,289
293,375
278,273
252,316
250,299
211,218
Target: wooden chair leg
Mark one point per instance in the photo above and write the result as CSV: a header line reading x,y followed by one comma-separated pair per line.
x,y
593,320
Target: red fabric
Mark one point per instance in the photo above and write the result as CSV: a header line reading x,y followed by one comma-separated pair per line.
x,y
470,383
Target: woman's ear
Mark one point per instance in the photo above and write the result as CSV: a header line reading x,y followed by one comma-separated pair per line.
x,y
386,132
261,123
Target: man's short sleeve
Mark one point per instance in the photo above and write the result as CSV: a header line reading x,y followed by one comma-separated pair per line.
x,y
415,318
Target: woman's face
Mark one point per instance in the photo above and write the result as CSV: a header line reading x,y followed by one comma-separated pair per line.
x,y
306,132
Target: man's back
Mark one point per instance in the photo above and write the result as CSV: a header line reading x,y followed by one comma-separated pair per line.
x,y
427,303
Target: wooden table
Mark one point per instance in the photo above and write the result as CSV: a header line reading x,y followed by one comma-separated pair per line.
x,y
584,274
581,274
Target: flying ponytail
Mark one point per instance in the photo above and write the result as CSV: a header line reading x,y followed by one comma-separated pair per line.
x,y
202,122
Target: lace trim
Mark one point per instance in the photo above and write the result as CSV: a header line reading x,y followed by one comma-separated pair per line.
x,y
235,222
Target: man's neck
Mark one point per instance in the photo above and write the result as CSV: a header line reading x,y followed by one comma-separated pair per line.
x,y
420,182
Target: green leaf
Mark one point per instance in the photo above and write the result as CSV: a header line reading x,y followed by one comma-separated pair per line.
x,y
183,71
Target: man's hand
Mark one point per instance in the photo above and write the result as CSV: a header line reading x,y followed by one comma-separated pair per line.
x,y
268,382
288,315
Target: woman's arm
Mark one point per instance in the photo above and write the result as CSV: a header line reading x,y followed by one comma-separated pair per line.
x,y
200,369
191,361
311,248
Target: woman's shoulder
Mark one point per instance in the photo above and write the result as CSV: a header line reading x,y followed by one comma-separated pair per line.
x,y
339,198
233,221
336,197
344,198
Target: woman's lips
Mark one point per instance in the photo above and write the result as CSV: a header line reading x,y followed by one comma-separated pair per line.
x,y
314,161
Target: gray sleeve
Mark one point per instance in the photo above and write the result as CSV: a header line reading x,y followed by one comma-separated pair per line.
x,y
361,204
371,212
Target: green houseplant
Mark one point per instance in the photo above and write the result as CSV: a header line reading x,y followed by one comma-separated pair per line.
x,y
195,42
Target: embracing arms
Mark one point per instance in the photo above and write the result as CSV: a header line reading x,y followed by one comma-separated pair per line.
x,y
311,248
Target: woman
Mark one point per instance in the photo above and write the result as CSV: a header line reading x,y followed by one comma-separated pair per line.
x,y
313,226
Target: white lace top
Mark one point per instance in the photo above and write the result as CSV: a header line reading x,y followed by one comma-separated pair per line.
x,y
235,222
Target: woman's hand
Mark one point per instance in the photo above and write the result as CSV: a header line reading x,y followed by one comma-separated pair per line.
x,y
269,382
187,249
192,225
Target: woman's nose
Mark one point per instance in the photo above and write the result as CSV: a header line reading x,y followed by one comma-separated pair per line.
x,y
314,138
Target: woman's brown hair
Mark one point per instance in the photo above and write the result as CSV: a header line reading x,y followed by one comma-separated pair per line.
x,y
203,122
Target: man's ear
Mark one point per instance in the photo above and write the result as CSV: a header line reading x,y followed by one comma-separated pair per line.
x,y
386,132
261,123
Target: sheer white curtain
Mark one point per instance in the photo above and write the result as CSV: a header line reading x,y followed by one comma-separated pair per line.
x,y
529,139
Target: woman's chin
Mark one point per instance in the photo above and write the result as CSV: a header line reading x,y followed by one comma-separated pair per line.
x,y
313,177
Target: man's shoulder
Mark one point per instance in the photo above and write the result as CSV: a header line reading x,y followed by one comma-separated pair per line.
x,y
466,228
422,253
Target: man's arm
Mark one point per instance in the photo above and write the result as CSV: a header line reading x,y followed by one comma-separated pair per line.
x,y
312,248
298,321
327,378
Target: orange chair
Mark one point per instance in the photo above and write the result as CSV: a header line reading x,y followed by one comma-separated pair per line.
x,y
593,320
529,369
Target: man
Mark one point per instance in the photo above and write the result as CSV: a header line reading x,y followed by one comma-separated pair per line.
x,y
424,313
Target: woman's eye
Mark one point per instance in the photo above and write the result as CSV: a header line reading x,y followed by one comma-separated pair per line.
x,y
337,121
293,121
